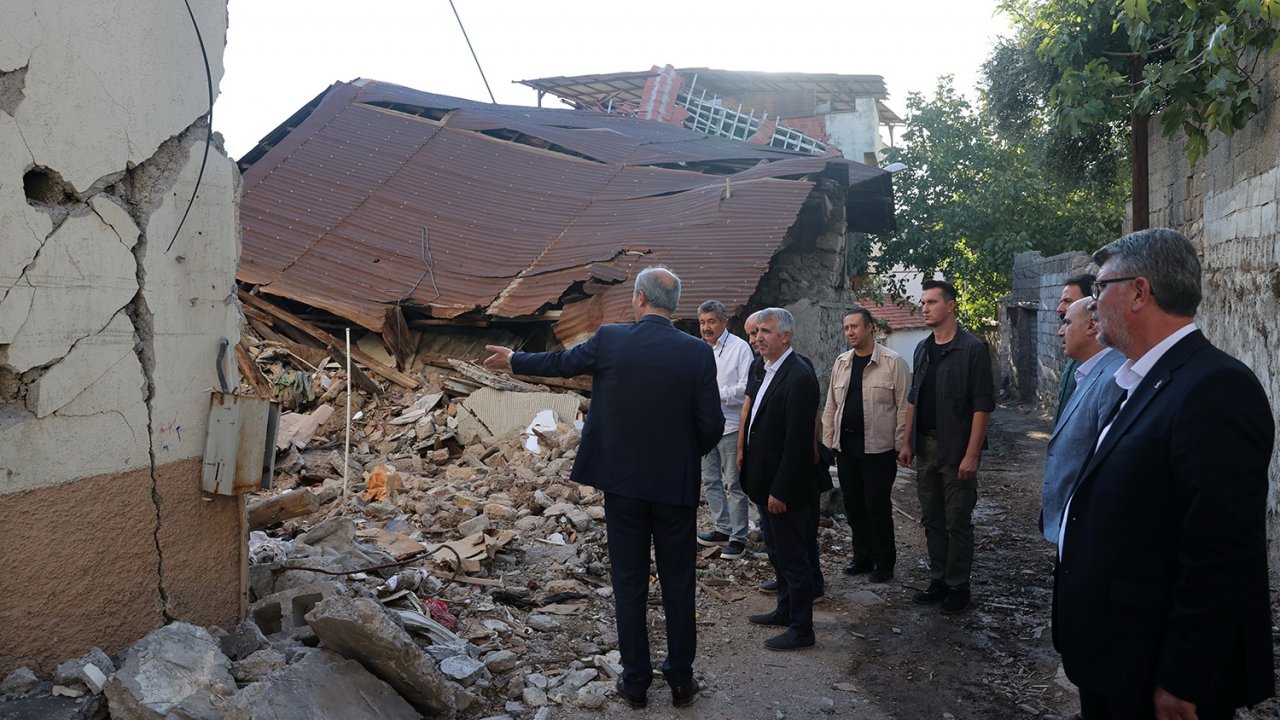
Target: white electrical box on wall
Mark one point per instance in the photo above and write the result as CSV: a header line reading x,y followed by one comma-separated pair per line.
x,y
239,454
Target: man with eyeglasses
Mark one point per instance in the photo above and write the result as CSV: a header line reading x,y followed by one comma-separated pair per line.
x,y
1161,601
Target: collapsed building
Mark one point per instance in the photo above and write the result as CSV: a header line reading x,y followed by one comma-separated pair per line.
x,y
403,212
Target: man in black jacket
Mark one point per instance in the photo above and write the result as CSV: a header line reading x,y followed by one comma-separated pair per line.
x,y
655,411
1161,600
778,475
948,410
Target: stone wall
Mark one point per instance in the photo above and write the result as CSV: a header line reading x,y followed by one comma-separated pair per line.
x,y
110,322
1030,359
1229,205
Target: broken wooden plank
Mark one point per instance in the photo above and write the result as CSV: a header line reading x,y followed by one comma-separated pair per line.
x,y
333,345
249,371
291,504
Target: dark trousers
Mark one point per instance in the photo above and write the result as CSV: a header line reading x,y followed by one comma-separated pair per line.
x,y
1094,706
631,526
789,541
819,582
946,511
866,482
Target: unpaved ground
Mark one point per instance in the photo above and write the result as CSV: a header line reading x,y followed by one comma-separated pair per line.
x,y
878,654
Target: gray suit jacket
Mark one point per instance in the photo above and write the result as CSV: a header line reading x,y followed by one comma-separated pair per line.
x,y
1074,438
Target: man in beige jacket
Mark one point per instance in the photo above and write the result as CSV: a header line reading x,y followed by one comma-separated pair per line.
x,y
863,421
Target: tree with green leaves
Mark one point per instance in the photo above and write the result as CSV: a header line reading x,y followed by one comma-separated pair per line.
x,y
1194,63
971,197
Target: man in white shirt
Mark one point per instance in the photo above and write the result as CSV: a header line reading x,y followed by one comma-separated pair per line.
x,y
725,499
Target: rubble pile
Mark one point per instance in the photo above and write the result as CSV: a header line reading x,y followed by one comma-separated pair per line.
x,y
445,566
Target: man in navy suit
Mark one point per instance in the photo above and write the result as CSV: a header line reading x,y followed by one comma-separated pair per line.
x,y
778,475
1161,604
1083,414
655,411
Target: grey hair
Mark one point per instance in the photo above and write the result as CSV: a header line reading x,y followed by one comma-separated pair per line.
x,y
714,306
660,286
786,321
1167,259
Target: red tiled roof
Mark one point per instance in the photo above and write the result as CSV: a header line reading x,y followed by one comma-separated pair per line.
x,y
897,314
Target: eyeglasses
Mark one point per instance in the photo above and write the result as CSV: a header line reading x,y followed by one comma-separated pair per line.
x,y
1100,285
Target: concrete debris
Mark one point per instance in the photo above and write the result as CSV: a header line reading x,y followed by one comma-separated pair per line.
x,y
243,640
178,669
94,678
362,630
257,666
18,683
68,673
319,685
456,565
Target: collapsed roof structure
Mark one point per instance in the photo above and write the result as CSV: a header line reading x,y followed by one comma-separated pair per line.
x,y
375,200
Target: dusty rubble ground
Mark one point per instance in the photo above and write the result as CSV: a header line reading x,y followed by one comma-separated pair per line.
x,y
460,574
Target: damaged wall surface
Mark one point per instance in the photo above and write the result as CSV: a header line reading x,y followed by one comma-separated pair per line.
x,y
1229,205
110,322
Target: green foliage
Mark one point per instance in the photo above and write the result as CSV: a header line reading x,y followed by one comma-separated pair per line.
x,y
1199,60
971,198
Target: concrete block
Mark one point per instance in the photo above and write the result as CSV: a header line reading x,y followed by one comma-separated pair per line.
x,y
176,669
81,278
360,629
319,685
84,364
284,613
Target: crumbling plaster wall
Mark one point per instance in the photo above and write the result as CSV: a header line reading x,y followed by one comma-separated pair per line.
x,y
1228,203
807,277
108,336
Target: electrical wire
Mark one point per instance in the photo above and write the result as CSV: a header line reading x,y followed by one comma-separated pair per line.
x,y
208,140
473,53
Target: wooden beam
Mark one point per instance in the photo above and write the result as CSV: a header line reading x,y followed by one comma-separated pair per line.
x,y
335,348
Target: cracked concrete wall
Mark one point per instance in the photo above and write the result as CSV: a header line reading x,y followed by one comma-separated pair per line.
x,y
109,334
1228,203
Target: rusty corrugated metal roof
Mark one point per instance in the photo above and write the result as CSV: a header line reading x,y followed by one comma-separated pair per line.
x,y
384,195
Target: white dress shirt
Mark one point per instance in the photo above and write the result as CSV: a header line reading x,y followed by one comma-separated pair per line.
x,y
770,369
733,364
1128,377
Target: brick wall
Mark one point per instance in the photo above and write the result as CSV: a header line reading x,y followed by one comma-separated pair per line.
x,y
1030,355
1228,205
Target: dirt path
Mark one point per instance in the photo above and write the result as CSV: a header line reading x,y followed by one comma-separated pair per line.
x,y
878,654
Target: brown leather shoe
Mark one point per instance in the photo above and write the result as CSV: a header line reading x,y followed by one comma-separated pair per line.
x,y
685,695
636,701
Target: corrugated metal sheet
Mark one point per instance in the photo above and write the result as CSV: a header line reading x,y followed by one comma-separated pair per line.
x,y
519,207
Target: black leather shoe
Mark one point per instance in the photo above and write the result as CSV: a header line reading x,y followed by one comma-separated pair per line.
x,y
936,593
956,601
858,567
684,695
769,586
774,619
636,701
789,640
880,575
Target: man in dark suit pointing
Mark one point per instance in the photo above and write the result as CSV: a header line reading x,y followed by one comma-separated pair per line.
x,y
655,411
1161,601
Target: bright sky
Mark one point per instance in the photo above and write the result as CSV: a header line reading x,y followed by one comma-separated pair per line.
x,y
282,53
